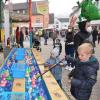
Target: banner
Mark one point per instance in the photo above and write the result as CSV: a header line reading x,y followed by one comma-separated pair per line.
x,y
42,7
73,21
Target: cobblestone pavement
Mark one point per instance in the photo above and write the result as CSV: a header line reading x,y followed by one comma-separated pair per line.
x,y
66,86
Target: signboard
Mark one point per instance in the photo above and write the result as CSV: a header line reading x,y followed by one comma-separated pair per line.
x,y
73,21
42,7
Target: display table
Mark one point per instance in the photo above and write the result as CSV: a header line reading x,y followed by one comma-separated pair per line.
x,y
19,78
55,91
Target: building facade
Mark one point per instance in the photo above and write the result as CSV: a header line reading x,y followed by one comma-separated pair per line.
x,y
61,23
76,11
40,12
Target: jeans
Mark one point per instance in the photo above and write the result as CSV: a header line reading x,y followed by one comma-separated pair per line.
x,y
59,82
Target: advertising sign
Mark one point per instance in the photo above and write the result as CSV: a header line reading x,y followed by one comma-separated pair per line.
x,y
42,7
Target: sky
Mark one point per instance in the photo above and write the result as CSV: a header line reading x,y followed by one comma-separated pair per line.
x,y
58,7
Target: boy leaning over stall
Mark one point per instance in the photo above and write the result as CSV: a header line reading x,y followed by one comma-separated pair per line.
x,y
84,76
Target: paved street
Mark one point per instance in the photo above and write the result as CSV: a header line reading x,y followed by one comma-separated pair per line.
x,y
96,90
46,53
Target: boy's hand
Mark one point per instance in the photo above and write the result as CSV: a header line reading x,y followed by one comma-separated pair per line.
x,y
46,68
62,64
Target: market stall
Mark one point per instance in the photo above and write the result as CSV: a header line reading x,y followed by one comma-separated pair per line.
x,y
55,91
20,78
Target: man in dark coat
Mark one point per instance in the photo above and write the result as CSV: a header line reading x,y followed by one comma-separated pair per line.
x,y
94,34
84,35
21,37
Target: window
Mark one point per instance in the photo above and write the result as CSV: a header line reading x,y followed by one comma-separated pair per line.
x,y
38,20
24,11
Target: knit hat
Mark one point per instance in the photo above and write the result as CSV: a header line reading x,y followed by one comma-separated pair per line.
x,y
55,52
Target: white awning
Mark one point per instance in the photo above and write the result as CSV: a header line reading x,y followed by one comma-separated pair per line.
x,y
95,22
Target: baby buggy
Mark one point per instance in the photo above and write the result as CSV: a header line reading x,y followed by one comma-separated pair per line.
x,y
36,44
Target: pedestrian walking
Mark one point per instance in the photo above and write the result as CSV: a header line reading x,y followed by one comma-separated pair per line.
x,y
69,42
17,36
84,76
54,36
46,36
21,37
26,34
98,35
94,34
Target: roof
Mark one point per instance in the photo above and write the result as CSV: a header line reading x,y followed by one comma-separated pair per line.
x,y
63,19
24,6
20,6
76,8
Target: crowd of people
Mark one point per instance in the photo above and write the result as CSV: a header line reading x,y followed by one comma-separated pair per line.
x,y
21,34
79,55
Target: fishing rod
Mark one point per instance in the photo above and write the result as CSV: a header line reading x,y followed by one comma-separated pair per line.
x,y
54,65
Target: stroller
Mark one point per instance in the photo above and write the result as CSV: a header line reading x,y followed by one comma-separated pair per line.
x,y
36,44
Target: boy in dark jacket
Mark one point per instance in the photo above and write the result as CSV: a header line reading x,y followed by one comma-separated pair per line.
x,y
58,45
84,76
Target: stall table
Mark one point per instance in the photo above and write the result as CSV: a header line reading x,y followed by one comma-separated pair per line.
x,y
20,78
54,89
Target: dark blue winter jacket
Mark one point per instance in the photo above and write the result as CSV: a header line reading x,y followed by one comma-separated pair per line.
x,y
84,77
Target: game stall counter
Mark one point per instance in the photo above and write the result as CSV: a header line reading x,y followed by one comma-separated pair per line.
x,y
18,77
55,91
